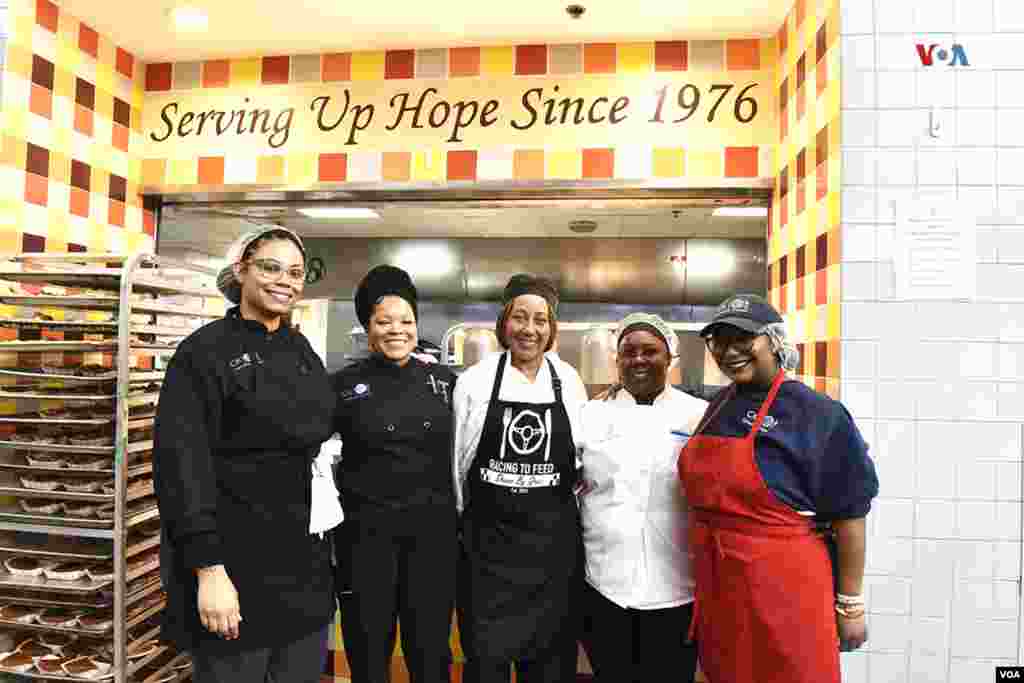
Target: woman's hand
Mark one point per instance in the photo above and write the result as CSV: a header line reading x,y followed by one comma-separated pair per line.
x,y
218,602
853,632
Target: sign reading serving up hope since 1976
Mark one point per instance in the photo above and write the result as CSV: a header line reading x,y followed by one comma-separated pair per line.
x,y
705,109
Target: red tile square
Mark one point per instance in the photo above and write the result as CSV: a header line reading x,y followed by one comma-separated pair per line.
x,y
40,101
399,64
116,216
821,252
783,37
801,261
33,244
275,70
42,72
531,60
211,170
821,181
741,162
821,41
820,359
83,120
216,73
464,61
801,164
158,76
337,67
784,270
81,175
332,168
76,248
37,160
79,202
462,165
599,58
782,301
821,287
784,212
821,77
125,63
37,189
801,70
800,293
598,163
671,55
120,137
88,41
149,223
47,15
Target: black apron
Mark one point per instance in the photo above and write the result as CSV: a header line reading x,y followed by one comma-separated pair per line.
x,y
521,529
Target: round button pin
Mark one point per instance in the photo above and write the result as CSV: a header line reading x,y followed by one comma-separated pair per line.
x,y
391,428
426,425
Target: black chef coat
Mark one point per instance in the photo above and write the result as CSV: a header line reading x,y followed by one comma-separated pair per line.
x,y
242,413
395,424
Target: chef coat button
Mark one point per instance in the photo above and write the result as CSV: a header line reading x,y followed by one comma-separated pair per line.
x,y
391,428
426,425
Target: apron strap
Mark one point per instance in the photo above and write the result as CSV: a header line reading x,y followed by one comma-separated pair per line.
x,y
768,401
716,406
556,382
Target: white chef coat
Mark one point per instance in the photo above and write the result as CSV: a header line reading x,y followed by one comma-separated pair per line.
x,y
473,394
634,512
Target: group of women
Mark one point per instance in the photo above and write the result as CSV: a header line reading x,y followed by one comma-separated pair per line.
x,y
651,527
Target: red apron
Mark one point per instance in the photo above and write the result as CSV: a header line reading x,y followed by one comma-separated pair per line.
x,y
764,602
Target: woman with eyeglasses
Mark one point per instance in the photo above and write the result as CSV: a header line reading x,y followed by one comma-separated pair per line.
x,y
397,546
244,407
771,461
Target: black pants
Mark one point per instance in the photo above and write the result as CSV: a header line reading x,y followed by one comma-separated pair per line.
x,y
397,564
637,646
557,666
300,661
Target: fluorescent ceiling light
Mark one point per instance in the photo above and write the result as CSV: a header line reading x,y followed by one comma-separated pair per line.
x,y
188,18
741,211
349,212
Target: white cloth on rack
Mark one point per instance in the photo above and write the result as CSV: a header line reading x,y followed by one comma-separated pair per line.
x,y
325,511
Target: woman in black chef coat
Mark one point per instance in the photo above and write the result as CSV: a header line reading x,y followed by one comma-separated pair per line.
x,y
515,469
397,545
244,407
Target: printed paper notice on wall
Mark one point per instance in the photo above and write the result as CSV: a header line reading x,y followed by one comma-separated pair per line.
x,y
936,251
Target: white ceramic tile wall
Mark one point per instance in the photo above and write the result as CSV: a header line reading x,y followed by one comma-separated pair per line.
x,y
938,387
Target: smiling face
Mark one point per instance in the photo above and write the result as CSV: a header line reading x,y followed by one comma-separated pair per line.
x,y
272,278
743,357
643,360
527,329
392,331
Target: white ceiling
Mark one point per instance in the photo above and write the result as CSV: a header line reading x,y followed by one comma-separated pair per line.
x,y
240,28
208,233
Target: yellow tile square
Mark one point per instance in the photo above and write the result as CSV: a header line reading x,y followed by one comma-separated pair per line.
x,y
136,119
563,164
138,241
302,169
182,172
104,81
270,169
21,25
705,163
497,61
669,162
428,165
19,62
634,57
68,56
834,321
368,66
245,72
769,50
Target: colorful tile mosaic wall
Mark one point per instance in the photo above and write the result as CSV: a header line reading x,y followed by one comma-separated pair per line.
x,y
71,117
319,167
804,227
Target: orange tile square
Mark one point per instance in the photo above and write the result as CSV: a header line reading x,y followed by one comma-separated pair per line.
x,y
396,166
464,61
116,216
120,137
599,58
79,202
598,163
47,15
337,67
528,164
743,55
125,63
83,120
270,169
40,101
821,287
37,189
462,165
216,73
88,40
332,168
741,162
153,171
211,170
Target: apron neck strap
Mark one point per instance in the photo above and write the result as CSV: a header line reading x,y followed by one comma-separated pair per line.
x,y
768,401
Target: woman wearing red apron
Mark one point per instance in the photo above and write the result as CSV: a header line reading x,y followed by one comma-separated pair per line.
x,y
515,469
771,460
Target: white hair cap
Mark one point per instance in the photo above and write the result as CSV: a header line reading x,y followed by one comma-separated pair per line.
x,y
785,351
653,321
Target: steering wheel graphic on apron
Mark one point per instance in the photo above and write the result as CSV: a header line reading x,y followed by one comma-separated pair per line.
x,y
526,433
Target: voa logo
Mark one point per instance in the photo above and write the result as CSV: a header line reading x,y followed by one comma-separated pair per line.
x,y
1009,673
954,56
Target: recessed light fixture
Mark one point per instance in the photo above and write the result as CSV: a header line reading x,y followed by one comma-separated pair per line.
x,y
345,212
741,211
189,19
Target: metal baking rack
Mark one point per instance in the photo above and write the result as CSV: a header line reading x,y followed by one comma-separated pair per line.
x,y
149,304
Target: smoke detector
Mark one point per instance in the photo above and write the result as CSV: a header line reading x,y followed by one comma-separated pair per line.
x,y
583,227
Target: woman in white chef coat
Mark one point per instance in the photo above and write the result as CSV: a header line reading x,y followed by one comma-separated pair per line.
x,y
515,469
637,598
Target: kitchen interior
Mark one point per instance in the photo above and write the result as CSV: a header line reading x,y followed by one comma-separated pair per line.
x,y
677,255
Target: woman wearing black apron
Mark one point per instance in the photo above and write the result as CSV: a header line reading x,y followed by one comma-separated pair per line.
x,y
515,470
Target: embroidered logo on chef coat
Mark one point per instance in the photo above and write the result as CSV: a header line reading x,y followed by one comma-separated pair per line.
x,y
245,360
358,391
769,423
439,387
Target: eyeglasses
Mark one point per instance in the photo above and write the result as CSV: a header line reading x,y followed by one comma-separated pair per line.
x,y
274,271
743,342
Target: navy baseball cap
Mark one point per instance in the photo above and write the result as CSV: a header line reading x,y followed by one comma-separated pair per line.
x,y
749,312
